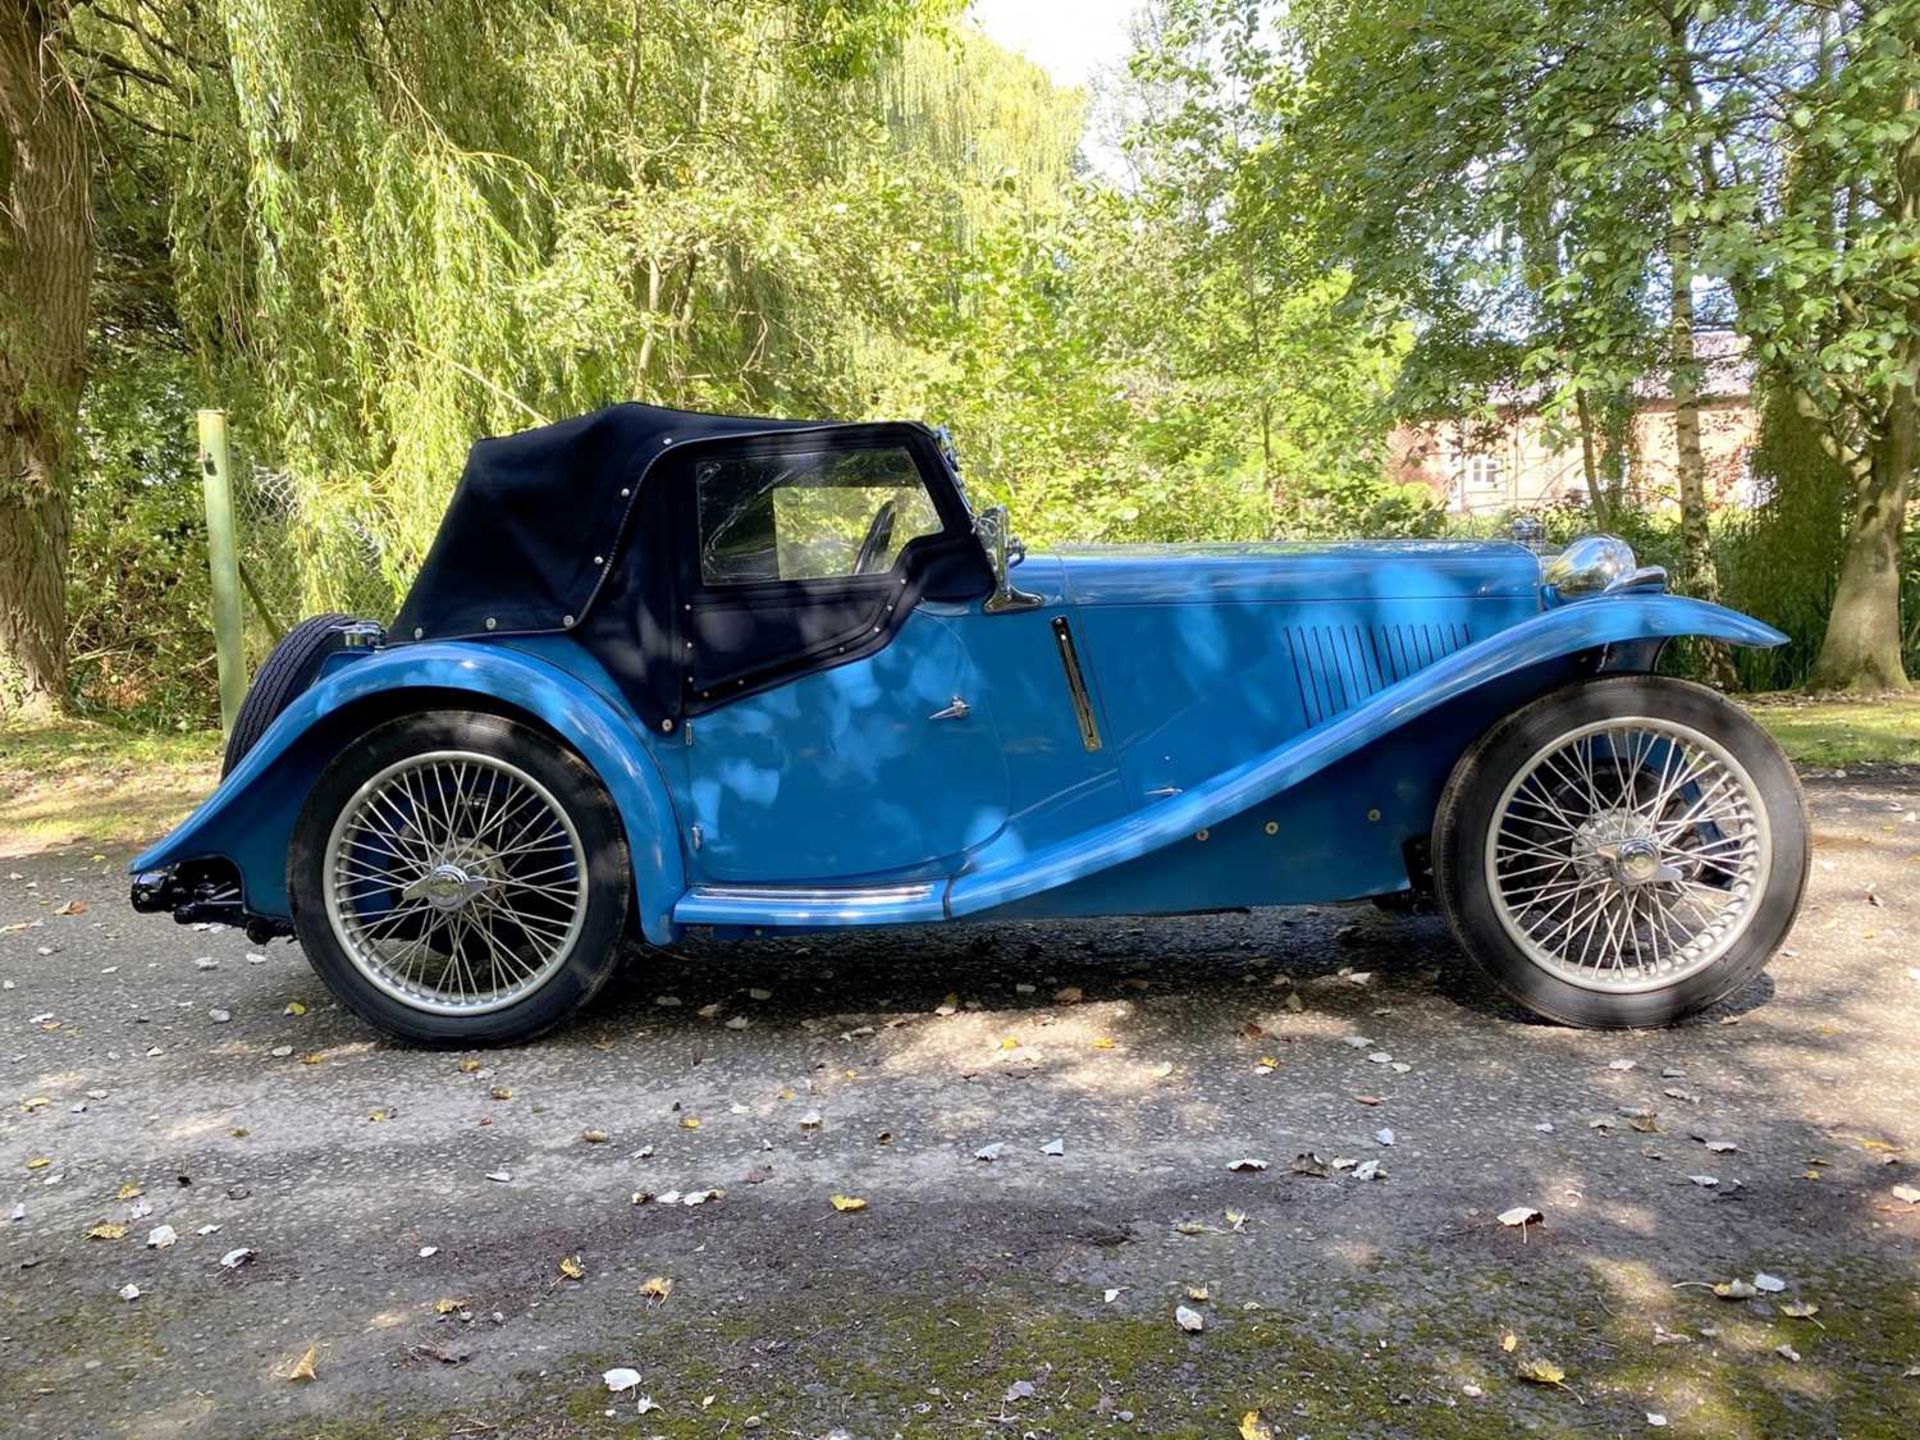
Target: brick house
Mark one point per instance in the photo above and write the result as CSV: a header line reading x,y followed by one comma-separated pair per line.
x,y
1516,461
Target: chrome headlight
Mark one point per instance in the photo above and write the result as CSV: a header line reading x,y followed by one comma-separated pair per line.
x,y
1589,565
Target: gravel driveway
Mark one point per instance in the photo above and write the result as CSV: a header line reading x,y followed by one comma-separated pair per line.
x,y
460,1244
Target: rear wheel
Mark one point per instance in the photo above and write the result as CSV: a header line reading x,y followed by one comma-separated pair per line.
x,y
460,879
1623,852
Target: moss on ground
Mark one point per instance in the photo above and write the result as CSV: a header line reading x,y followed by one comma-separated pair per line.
x,y
1379,1358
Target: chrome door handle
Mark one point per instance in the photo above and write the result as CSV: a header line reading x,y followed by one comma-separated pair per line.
x,y
958,710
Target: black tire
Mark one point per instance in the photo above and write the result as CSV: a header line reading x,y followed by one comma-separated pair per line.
x,y
288,670
1467,811
571,784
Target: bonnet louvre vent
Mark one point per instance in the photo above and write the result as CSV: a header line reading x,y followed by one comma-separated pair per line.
x,y
1338,666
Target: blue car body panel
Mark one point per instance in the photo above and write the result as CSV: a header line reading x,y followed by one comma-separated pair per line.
x,y
1256,725
1518,662
249,819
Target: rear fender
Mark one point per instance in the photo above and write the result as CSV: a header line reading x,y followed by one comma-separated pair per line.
x,y
250,818
1623,632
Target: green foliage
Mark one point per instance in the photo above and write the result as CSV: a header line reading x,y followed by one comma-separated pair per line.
x,y
138,596
374,233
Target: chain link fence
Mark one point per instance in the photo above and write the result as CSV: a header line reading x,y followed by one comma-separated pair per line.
x,y
294,564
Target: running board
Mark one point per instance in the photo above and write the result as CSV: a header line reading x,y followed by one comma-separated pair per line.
x,y
802,906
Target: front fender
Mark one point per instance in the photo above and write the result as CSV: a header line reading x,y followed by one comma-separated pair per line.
x,y
1587,625
250,818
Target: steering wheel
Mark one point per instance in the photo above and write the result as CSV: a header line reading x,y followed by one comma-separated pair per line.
x,y
879,537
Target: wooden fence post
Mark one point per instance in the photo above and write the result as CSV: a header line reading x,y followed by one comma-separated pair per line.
x,y
223,561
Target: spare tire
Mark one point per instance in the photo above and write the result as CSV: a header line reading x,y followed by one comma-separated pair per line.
x,y
288,671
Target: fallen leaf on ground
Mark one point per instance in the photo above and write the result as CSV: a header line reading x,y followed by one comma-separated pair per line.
x,y
594,1137
1509,1342
848,1202
621,1378
1311,1164
1069,995
72,907
303,1367
234,1259
657,1288
468,1066
1054,1147
1018,1390
1253,1426
1103,1042
1192,1321
446,1305
1540,1372
989,1152
1772,1284
1248,1162
571,1267
107,1230
129,1292
1735,1290
1521,1215
1799,1309
161,1237
690,1122
1907,1193
1787,1352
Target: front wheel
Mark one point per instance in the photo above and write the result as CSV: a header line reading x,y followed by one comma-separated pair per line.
x,y
1623,852
460,879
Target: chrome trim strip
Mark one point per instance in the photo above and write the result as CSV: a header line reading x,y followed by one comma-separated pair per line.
x,y
1076,683
822,895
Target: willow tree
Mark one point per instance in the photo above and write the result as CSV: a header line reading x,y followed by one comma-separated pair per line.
x,y
46,263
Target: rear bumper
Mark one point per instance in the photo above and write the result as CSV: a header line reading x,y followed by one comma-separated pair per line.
x,y
201,892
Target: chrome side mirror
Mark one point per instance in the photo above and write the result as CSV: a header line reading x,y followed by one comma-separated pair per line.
x,y
994,528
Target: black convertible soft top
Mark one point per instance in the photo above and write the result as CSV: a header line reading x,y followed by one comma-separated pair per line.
x,y
539,517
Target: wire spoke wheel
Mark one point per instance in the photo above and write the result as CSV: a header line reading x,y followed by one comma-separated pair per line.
x,y
455,882
1628,854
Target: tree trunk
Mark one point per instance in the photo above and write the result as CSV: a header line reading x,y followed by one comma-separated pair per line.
x,y
46,266
1861,650
1697,576
1589,459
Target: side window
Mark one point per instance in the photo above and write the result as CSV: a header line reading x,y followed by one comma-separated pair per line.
x,y
809,515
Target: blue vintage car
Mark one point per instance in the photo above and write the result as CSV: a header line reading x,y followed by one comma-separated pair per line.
x,y
666,673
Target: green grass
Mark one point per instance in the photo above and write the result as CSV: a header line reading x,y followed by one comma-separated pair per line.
x,y
79,780
1832,733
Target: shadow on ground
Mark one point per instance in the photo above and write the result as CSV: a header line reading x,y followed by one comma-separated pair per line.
x,y
1032,1293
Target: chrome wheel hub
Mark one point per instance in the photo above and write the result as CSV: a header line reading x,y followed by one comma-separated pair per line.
x,y
1629,854
455,882
445,887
